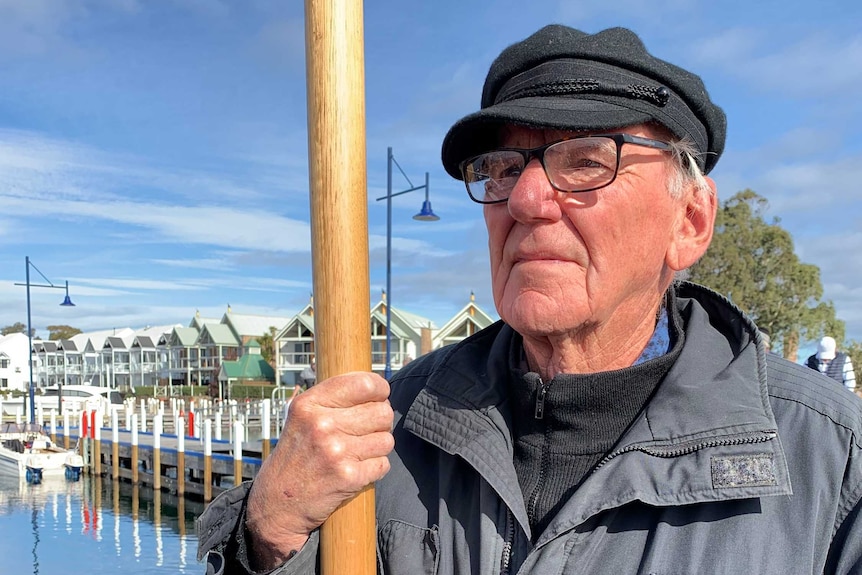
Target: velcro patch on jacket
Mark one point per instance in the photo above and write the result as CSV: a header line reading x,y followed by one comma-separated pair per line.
x,y
752,470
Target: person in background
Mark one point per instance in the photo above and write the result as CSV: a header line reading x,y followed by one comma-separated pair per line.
x,y
615,420
833,363
308,376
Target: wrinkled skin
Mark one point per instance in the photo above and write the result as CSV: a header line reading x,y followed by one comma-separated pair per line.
x,y
335,442
581,275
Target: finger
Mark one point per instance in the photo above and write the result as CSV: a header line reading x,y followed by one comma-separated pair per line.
x,y
349,389
348,449
353,476
358,420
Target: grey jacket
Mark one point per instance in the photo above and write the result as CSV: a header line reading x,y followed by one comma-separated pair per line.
x,y
738,464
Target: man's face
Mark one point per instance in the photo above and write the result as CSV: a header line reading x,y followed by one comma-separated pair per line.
x,y
562,262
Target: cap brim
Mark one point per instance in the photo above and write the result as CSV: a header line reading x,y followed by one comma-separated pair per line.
x,y
479,131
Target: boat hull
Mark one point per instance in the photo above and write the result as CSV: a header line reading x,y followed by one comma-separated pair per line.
x,y
29,454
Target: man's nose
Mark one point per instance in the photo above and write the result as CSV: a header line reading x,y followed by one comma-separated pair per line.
x,y
533,198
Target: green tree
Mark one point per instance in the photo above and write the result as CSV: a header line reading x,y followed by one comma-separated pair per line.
x,y
16,327
267,346
56,332
854,350
752,262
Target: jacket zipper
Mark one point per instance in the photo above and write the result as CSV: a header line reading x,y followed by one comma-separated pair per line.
x,y
508,544
692,446
541,392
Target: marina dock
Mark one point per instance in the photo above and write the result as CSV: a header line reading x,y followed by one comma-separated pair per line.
x,y
191,463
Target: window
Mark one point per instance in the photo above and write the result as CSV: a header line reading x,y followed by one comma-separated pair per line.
x,y
4,363
4,382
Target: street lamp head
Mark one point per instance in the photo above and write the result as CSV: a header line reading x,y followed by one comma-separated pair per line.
x,y
426,214
67,301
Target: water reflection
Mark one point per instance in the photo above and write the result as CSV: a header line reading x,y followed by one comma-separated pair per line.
x,y
94,526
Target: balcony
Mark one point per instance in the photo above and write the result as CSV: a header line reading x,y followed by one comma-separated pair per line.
x,y
299,358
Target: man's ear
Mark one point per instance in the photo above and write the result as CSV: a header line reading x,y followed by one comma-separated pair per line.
x,y
694,227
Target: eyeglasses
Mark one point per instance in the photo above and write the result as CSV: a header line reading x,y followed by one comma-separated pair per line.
x,y
579,164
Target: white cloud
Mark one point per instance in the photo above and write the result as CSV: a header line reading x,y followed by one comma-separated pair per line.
x,y
727,48
211,225
818,65
202,263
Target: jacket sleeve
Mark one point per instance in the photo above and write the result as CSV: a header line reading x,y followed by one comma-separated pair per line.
x,y
846,551
221,529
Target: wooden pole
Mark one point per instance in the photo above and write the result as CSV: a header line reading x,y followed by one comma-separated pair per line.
x,y
334,48
208,461
181,461
66,430
96,430
157,451
265,425
134,462
115,444
237,452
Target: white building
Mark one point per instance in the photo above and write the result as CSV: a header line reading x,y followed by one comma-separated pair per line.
x,y
14,371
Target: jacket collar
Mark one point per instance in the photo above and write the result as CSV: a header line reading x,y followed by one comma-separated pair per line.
x,y
712,404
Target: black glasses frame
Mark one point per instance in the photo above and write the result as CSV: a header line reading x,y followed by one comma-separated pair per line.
x,y
539,154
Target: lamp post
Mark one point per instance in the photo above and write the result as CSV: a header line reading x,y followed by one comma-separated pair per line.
x,y
424,215
66,302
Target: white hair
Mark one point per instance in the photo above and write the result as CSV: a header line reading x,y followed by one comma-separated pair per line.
x,y
686,171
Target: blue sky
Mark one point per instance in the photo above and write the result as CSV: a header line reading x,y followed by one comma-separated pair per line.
x,y
154,153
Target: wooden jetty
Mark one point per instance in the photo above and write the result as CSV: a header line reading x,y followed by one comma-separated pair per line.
x,y
179,463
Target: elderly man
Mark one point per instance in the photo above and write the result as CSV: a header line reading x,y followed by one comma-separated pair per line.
x,y
615,421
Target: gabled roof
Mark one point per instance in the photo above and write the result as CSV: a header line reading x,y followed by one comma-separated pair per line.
x,y
415,321
183,337
247,325
155,332
396,326
470,313
47,345
217,334
143,341
304,320
113,342
249,366
410,320
14,340
404,324
198,322
95,340
67,345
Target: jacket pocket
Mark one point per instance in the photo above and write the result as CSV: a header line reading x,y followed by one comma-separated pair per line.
x,y
407,549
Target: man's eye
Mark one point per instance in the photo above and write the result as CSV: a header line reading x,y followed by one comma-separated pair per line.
x,y
586,163
508,172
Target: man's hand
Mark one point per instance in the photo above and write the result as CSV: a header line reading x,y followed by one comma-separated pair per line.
x,y
335,442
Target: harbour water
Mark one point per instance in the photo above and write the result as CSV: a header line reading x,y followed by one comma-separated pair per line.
x,y
95,526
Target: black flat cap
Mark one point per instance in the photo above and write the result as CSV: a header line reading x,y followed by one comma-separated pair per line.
x,y
566,79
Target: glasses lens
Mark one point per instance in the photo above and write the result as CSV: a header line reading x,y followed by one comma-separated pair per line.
x,y
582,163
490,177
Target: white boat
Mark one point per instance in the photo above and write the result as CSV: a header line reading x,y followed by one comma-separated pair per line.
x,y
75,398
27,452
